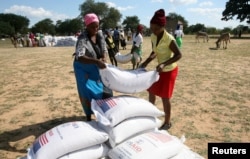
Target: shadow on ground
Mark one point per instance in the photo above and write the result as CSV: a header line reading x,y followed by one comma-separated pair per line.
x,y
31,130
213,48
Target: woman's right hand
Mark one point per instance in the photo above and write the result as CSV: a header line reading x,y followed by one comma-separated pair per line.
x,y
143,65
101,64
148,60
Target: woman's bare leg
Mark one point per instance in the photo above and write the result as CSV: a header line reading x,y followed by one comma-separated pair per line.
x,y
167,109
151,98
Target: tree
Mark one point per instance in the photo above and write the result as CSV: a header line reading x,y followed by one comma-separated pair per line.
x,y
146,31
44,26
58,23
19,23
69,26
195,28
178,18
226,30
6,29
75,25
131,22
109,22
239,8
63,28
211,30
109,16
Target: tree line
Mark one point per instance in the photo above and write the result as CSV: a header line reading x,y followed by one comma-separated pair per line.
x,y
109,18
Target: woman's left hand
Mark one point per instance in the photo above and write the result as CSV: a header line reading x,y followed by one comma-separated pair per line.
x,y
103,60
159,67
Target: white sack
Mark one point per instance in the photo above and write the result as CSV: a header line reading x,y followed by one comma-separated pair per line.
x,y
151,145
93,152
48,40
66,138
128,81
123,58
65,41
112,111
130,128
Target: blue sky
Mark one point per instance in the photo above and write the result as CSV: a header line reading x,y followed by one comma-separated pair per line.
x,y
207,12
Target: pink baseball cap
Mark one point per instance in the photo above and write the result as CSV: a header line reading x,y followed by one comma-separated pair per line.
x,y
90,18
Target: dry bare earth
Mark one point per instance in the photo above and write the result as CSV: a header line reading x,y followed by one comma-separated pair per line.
x,y
210,104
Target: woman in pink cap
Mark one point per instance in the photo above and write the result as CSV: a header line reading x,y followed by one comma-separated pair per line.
x,y
90,56
167,53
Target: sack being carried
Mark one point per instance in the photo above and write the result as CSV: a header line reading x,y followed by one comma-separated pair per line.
x,y
128,81
123,59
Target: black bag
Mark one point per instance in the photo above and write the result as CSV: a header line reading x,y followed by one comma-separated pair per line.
x,y
107,93
123,43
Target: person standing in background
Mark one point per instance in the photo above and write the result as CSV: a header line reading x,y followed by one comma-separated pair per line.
x,y
112,50
27,39
178,34
32,38
167,53
129,35
137,47
122,40
116,38
41,40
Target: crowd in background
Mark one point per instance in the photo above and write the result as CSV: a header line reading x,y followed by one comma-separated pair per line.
x,y
120,37
30,40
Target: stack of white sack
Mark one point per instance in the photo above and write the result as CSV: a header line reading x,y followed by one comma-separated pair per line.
x,y
154,144
127,81
120,58
72,140
48,39
123,117
61,41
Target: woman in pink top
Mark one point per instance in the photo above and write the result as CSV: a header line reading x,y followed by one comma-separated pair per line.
x,y
166,51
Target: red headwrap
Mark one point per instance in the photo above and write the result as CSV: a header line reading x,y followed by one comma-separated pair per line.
x,y
139,27
159,18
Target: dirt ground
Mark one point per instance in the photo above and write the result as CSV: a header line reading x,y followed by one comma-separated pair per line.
x,y
211,101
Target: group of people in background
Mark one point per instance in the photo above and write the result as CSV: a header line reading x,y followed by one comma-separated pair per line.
x,y
116,38
90,56
28,40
